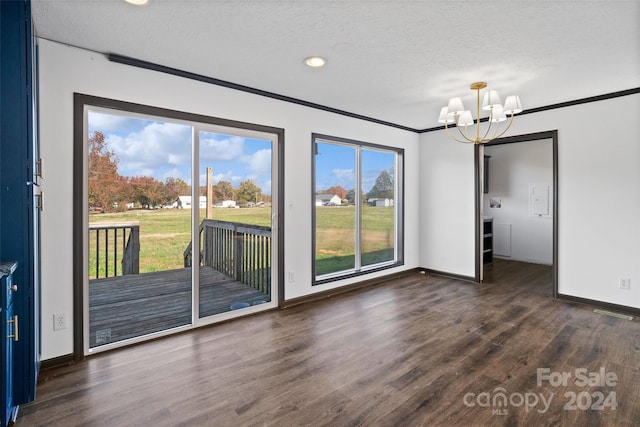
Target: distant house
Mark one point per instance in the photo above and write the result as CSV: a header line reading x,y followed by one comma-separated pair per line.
x,y
173,205
380,202
328,200
225,204
184,202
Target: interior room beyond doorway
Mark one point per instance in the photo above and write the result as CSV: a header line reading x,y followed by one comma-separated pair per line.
x,y
518,205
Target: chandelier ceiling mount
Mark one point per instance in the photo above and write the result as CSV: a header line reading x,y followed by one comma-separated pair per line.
x,y
455,113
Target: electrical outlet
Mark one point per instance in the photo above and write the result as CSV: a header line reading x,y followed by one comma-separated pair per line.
x,y
59,321
624,283
292,276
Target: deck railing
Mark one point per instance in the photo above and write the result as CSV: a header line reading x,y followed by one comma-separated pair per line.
x,y
112,245
241,251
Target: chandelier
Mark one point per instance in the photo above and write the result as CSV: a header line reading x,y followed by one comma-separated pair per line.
x,y
455,112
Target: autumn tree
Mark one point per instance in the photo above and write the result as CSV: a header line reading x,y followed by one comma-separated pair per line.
x,y
105,185
248,191
124,193
147,191
338,191
223,190
174,187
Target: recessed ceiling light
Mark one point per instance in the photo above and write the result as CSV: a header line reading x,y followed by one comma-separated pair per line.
x,y
137,2
315,61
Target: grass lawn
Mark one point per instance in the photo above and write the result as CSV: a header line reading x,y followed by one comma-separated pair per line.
x,y
335,237
166,233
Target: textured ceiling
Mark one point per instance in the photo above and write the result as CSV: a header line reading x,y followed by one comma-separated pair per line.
x,y
396,61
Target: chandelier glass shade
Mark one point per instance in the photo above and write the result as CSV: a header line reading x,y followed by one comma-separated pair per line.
x,y
455,113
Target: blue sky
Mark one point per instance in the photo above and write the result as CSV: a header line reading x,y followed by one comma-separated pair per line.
x,y
335,165
161,150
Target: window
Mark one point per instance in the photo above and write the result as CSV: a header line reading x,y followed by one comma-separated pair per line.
x,y
356,232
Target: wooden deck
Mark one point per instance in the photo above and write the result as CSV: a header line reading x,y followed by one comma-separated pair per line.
x,y
138,304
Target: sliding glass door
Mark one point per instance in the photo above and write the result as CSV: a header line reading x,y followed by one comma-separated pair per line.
x,y
180,222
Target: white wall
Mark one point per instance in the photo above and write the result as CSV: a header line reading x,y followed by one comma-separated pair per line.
x,y
65,70
447,208
512,169
599,198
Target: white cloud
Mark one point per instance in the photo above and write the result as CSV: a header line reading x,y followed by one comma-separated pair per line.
x,y
228,176
155,146
369,179
175,173
260,162
112,123
221,148
344,175
143,172
174,159
220,177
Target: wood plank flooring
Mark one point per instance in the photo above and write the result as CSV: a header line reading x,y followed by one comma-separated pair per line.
x,y
415,351
129,306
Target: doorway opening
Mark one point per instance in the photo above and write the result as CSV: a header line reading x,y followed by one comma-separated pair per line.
x,y
517,205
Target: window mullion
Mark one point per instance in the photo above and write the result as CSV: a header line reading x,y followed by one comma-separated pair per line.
x,y
358,210
195,224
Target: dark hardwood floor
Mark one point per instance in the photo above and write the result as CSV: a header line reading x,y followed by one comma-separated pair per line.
x,y
417,350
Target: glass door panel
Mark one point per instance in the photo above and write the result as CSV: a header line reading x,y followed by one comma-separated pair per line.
x,y
235,216
378,213
139,177
335,205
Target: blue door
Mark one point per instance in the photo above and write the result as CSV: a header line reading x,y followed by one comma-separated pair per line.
x,y
19,228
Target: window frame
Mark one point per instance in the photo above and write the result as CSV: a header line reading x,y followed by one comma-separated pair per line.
x,y
360,270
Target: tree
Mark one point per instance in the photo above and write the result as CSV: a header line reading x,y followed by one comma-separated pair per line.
x,y
351,196
223,190
147,191
105,185
248,191
383,188
338,191
174,187
124,193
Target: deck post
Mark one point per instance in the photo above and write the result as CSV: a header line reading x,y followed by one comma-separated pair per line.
x,y
209,210
131,258
238,254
